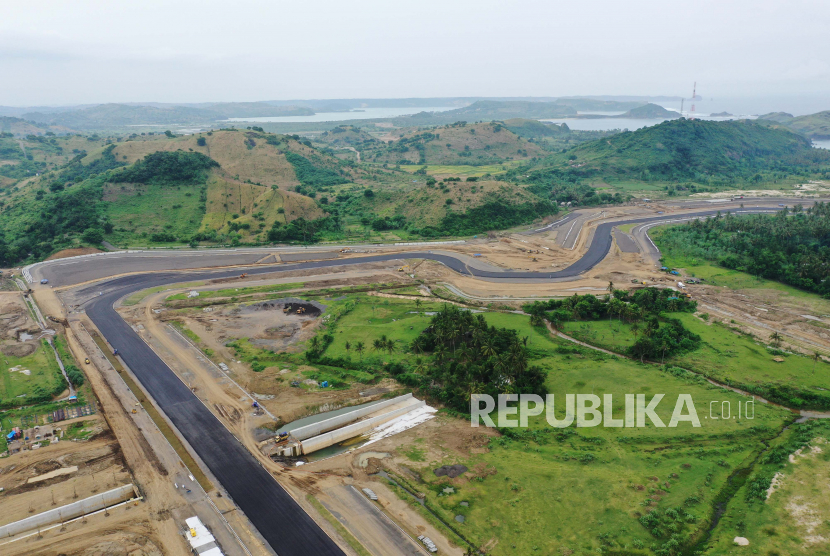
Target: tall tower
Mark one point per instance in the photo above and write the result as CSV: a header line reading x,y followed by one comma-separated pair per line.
x,y
694,94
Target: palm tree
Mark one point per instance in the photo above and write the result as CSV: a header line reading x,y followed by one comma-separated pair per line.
x,y
420,365
418,303
776,338
816,357
663,347
314,343
347,346
488,348
359,347
635,328
390,346
378,344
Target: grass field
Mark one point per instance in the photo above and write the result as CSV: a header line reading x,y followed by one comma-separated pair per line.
x,y
725,355
461,170
43,373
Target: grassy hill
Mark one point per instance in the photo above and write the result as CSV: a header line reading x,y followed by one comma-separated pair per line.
x,y
814,126
649,111
696,150
346,136
460,143
534,129
232,187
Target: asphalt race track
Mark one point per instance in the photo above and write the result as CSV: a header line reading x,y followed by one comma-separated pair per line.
x,y
278,518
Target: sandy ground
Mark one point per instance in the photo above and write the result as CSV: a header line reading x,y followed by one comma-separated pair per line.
x,y
100,466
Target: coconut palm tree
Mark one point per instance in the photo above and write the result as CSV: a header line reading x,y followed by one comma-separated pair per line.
x,y
347,346
816,356
776,338
359,347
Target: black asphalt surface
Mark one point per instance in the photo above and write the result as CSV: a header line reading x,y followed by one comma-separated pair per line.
x,y
279,519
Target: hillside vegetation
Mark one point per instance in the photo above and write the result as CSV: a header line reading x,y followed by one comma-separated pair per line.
x,y
702,151
458,143
232,187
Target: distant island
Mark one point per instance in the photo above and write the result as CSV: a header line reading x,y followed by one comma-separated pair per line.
x,y
721,115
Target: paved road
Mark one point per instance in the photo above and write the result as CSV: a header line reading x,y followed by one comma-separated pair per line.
x,y
279,519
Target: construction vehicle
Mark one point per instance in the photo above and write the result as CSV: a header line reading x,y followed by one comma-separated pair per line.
x,y
301,310
192,532
135,411
243,275
86,360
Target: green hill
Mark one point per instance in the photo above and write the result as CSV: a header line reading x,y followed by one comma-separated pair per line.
x,y
780,117
534,129
695,150
231,187
649,111
814,126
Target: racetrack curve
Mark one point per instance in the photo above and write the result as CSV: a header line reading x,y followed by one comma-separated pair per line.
x,y
278,518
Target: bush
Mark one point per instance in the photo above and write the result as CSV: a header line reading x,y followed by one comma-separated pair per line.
x,y
166,167
93,235
75,375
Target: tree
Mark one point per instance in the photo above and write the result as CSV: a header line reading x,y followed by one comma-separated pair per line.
x,y
816,356
359,347
347,346
379,343
776,338
93,236
201,141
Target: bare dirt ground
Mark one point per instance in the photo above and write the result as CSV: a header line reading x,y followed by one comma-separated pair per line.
x,y
18,331
100,466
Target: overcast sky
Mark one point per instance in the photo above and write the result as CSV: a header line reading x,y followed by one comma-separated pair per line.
x,y
86,51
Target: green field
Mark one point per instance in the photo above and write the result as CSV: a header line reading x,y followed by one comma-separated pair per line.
x,y
794,518
726,355
460,170
43,374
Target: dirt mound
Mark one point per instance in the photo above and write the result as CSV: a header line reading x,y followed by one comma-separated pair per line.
x,y
293,304
73,253
451,471
18,350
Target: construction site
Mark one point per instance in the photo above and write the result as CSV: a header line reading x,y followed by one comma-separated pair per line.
x,y
351,445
